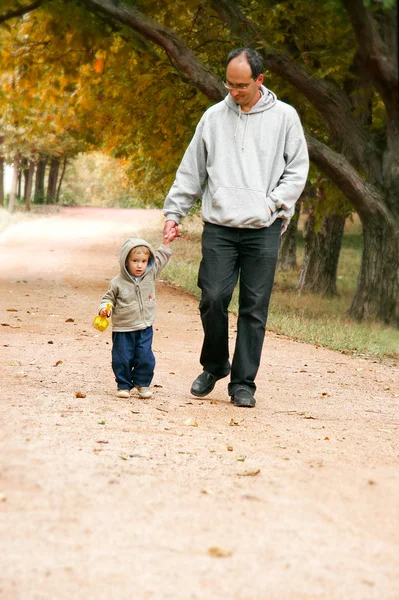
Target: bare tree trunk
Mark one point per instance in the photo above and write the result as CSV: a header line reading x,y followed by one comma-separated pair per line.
x,y
19,186
14,184
57,198
39,184
28,183
52,180
378,285
287,254
1,181
322,249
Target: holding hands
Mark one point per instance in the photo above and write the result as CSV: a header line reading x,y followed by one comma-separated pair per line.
x,y
170,232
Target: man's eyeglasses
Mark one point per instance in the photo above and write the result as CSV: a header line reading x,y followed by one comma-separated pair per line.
x,y
241,87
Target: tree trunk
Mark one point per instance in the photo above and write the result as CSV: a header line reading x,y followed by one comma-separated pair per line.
x,y
1,181
319,268
287,254
39,184
19,185
14,184
378,284
28,183
61,179
52,180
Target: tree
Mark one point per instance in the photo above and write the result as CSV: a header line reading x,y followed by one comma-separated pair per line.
x,y
1,180
341,55
287,254
363,159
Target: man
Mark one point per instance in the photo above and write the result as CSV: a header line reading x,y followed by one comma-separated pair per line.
x,y
248,161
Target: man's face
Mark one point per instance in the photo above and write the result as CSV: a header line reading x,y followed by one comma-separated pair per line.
x,y
238,73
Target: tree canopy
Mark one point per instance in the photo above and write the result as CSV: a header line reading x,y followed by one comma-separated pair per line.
x,y
133,77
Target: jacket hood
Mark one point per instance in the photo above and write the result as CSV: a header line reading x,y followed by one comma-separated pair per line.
x,y
267,100
129,245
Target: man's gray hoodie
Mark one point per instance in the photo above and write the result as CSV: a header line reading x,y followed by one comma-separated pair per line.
x,y
249,167
133,298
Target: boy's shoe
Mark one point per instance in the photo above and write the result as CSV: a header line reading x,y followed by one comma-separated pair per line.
x,y
123,394
144,392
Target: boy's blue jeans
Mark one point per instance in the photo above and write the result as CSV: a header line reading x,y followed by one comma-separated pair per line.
x,y
133,360
228,254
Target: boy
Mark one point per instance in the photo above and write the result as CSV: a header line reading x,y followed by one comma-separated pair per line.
x,y
132,295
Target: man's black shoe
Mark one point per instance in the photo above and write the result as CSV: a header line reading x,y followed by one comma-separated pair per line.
x,y
241,396
204,384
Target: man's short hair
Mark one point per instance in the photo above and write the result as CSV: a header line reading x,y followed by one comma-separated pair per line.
x,y
254,59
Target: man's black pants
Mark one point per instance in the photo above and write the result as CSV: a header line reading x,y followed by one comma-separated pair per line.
x,y
228,254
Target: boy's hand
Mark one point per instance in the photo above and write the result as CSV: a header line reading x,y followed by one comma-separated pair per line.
x,y
104,312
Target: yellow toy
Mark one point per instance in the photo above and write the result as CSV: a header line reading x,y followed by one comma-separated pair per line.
x,y
101,323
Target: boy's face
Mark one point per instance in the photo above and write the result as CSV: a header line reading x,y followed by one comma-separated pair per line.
x,y
137,263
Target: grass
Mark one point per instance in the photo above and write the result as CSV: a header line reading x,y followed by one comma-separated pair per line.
x,y
307,317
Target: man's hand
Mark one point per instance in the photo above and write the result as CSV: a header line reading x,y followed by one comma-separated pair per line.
x,y
170,231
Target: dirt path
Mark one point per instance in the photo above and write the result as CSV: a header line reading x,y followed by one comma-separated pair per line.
x,y
121,499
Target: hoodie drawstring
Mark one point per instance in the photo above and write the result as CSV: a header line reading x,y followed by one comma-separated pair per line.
x,y
245,128
245,133
238,121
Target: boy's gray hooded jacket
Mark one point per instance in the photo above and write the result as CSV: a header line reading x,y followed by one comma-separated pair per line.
x,y
249,167
133,299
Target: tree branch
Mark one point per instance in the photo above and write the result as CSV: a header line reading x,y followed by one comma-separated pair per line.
x,y
366,198
378,59
182,57
333,104
19,12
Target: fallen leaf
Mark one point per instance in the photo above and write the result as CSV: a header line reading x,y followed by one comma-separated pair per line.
x,y
21,374
326,438
101,422
191,422
249,473
233,422
70,320
14,363
229,448
135,412
123,457
219,552
102,442
59,362
310,417
325,395
241,458
209,492
12,309
80,395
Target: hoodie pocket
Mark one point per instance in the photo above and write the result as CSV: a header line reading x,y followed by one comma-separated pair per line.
x,y
240,207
